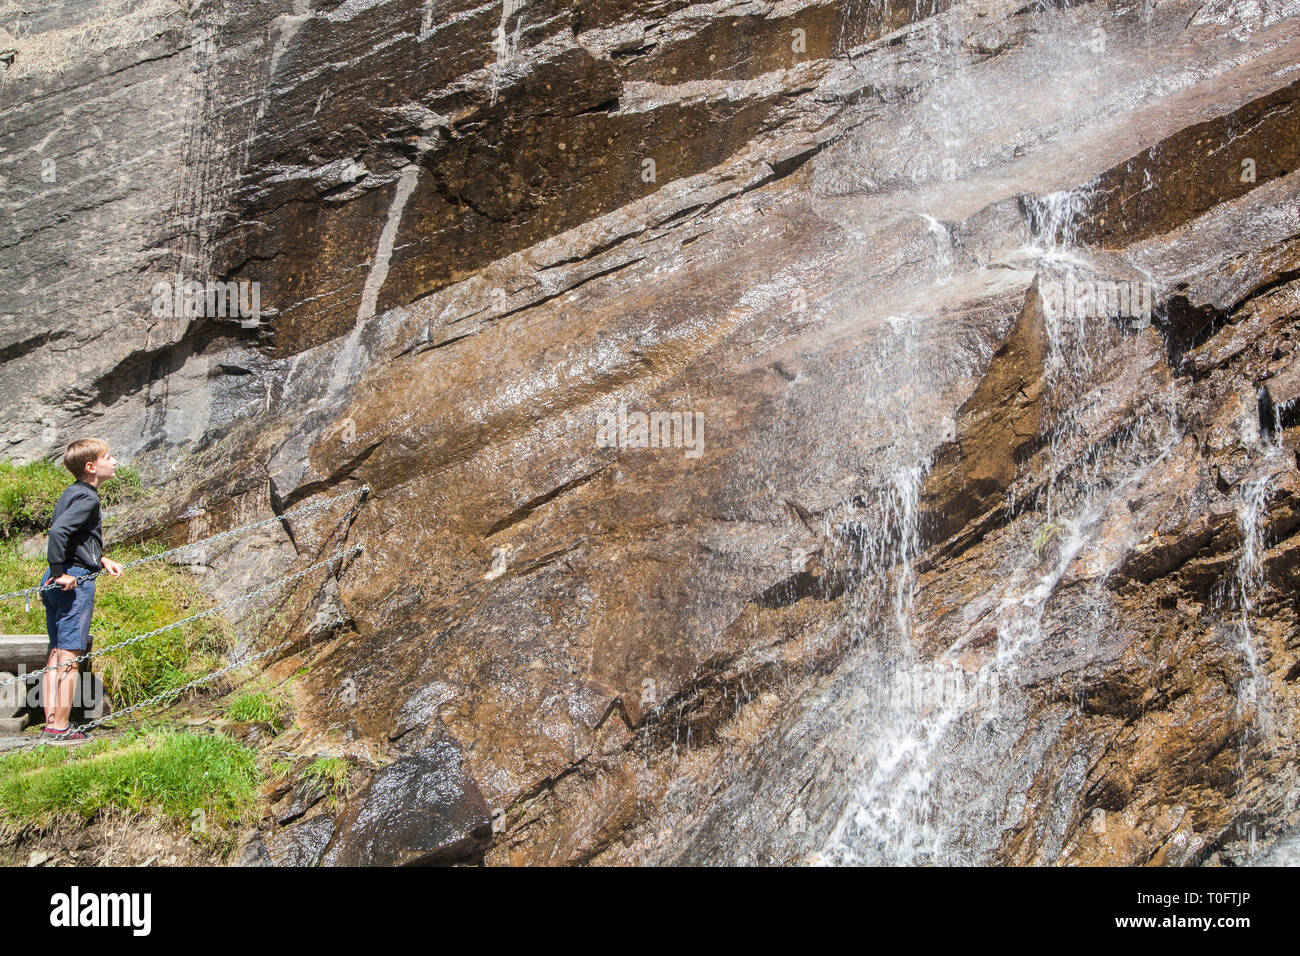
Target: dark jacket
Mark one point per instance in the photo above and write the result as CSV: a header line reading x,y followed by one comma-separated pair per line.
x,y
76,536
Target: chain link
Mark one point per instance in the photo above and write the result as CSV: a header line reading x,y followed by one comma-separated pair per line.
x,y
238,599
295,513
177,691
159,698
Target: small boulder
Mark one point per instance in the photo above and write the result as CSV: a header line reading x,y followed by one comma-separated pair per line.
x,y
420,810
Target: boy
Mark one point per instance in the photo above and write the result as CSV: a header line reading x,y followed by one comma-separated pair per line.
x,y
75,549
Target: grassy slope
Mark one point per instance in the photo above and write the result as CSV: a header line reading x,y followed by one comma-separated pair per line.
x,y
146,769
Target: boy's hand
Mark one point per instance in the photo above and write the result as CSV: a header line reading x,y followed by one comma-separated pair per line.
x,y
66,581
112,567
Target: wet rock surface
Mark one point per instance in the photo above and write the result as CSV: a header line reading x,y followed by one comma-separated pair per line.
x,y
422,809
963,572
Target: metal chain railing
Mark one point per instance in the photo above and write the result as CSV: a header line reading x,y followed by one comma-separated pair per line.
x,y
177,691
159,698
238,599
233,532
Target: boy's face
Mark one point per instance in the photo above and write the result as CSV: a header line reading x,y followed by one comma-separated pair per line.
x,y
104,467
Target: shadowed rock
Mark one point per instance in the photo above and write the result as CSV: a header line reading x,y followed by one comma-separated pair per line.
x,y
995,429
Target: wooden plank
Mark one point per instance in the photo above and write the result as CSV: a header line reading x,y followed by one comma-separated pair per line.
x,y
28,650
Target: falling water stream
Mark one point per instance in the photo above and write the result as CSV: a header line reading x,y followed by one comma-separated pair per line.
x,y
1254,702
932,725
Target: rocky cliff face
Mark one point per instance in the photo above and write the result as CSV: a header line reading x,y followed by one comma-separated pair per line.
x,y
976,549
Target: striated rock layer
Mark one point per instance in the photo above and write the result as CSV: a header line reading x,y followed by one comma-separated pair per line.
x,y
958,564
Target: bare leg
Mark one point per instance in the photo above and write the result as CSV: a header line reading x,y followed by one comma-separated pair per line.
x,y
58,689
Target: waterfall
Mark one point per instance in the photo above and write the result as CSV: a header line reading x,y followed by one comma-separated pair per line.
x,y
1249,581
1254,703
943,246
933,726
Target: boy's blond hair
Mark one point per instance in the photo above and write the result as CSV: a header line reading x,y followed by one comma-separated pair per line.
x,y
81,453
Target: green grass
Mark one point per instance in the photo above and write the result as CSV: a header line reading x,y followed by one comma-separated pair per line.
x,y
1050,530
143,599
149,769
28,494
265,705
328,776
